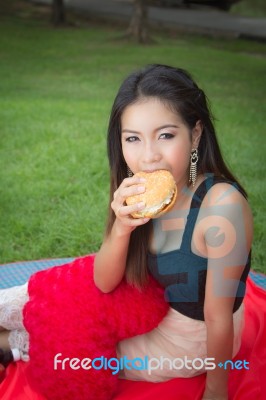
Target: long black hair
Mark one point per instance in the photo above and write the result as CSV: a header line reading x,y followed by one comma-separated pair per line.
x,y
176,88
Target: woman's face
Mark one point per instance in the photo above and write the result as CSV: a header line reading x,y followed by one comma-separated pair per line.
x,y
154,137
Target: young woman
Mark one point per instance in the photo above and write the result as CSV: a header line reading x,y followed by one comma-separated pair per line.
x,y
199,252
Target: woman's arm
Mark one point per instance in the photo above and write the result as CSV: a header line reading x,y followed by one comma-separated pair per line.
x,y
226,229
110,261
220,334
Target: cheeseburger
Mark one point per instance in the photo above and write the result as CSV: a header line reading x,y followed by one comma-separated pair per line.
x,y
160,194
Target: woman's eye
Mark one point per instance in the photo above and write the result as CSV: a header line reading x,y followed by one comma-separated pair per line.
x,y
132,139
166,136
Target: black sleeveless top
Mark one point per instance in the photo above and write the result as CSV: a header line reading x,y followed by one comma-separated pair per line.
x,y
183,273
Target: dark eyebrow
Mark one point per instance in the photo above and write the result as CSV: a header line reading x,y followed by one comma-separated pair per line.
x,y
129,131
158,129
167,126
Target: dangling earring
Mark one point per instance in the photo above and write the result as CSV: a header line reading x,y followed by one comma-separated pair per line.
x,y
194,158
129,172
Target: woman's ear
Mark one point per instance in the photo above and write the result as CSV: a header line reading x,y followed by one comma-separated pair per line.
x,y
196,134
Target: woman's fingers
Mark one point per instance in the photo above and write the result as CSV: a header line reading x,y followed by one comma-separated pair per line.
x,y
124,211
126,192
129,187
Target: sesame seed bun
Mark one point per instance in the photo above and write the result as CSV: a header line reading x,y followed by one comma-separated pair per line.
x,y
160,194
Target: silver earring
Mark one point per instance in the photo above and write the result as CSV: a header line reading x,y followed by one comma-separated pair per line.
x,y
194,158
129,172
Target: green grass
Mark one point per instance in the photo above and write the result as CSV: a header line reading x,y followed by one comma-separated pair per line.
x,y
56,91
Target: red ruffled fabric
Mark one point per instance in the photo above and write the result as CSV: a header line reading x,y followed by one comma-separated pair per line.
x,y
67,314
118,315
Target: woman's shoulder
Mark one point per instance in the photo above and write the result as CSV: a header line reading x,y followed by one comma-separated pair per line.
x,y
225,200
224,192
224,225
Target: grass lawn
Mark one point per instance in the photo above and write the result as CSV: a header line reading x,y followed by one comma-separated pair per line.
x,y
56,90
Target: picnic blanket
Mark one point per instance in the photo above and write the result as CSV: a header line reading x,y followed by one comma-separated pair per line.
x,y
243,384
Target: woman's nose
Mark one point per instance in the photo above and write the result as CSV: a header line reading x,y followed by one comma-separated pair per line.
x,y
151,154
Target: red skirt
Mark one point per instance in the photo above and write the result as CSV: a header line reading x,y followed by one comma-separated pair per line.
x,y
118,314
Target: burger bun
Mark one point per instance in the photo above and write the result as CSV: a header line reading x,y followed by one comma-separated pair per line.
x,y
160,194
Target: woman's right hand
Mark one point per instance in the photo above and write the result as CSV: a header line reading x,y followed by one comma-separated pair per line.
x,y
124,221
